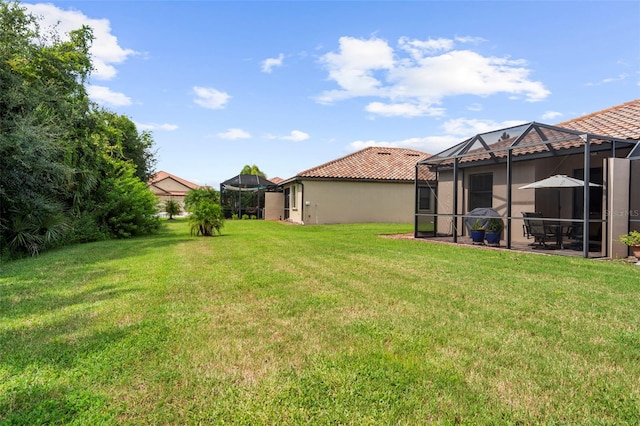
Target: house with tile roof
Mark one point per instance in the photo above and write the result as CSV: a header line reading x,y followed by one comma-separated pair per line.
x,y
375,184
170,187
489,170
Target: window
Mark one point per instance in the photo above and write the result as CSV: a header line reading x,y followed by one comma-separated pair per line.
x,y
480,190
294,196
424,198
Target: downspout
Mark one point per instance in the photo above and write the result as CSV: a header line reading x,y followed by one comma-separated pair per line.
x,y
435,202
585,194
415,204
455,200
509,201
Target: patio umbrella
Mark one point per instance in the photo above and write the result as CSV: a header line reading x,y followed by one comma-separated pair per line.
x,y
557,181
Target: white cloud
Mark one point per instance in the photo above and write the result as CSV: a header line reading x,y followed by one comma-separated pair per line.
x,y
470,39
105,50
418,48
463,128
353,67
208,97
551,115
454,131
296,136
104,95
234,134
414,78
608,80
429,144
406,109
270,63
153,126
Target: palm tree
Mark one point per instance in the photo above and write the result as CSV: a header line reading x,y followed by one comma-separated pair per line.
x,y
172,208
206,218
252,170
252,199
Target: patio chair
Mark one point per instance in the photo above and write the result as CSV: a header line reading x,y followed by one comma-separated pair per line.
x,y
575,234
526,232
535,228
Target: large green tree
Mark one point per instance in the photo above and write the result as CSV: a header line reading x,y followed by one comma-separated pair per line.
x,y
41,95
62,159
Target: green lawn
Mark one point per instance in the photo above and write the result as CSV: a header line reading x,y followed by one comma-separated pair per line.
x,y
278,324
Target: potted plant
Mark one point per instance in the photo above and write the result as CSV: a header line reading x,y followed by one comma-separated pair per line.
x,y
632,239
477,232
494,231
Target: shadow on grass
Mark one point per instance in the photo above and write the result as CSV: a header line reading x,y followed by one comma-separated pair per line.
x,y
97,251
75,275
46,404
47,371
22,300
53,373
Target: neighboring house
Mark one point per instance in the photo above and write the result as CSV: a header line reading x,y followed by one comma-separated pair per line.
x,y
170,187
488,170
372,185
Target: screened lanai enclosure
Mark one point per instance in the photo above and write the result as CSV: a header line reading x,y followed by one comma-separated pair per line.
x,y
243,196
510,171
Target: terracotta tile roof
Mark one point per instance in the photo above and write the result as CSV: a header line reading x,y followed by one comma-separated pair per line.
x,y
162,175
373,163
276,180
620,121
532,143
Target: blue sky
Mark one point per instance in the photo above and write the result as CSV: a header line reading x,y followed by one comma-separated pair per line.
x,y
291,85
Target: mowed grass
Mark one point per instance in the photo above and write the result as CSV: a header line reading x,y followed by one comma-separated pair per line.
x,y
277,324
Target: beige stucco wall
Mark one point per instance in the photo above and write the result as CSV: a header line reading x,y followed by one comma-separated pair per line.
x,y
171,185
444,201
546,200
164,198
522,200
273,206
634,206
327,202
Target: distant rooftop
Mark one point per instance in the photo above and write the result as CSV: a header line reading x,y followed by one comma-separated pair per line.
x,y
373,163
620,121
162,175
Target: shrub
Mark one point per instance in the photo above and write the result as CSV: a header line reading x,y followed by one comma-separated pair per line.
x,y
204,193
129,208
631,239
172,208
206,218
495,224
